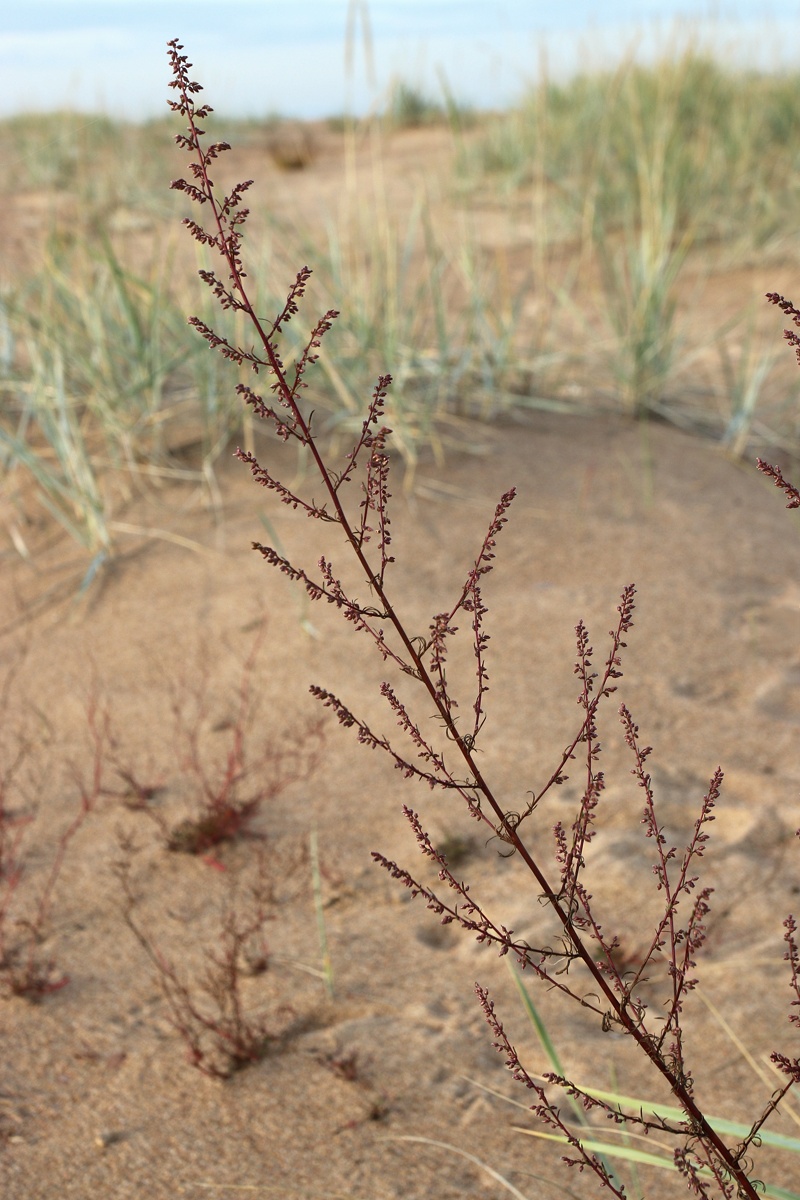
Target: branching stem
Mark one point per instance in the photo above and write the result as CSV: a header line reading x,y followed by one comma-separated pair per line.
x,y
725,1164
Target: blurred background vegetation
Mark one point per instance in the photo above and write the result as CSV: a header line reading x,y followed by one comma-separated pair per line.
x,y
604,246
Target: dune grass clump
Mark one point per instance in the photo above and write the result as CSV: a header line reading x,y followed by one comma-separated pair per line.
x,y
601,202
730,138
409,107
576,954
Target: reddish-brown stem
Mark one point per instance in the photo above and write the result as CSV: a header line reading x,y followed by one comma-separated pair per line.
x,y
728,1163
631,1026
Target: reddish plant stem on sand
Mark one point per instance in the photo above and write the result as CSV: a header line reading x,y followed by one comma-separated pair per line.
x,y
23,970
233,782
221,1033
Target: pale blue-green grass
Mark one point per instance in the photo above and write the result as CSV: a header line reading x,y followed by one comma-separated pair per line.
x,y
657,1154
612,186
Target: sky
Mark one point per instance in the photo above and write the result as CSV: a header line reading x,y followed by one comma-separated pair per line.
x,y
294,57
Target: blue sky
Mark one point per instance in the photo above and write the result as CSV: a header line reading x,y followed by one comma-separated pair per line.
x,y
261,56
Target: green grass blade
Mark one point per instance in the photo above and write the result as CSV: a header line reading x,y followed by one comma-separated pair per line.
x,y
732,1128
628,1153
537,1022
644,1158
551,1052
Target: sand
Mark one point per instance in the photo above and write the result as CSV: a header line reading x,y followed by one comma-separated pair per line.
x,y
97,1098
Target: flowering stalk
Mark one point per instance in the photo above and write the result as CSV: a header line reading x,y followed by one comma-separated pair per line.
x,y
581,942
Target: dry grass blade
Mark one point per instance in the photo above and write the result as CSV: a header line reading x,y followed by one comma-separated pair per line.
x,y
490,1171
